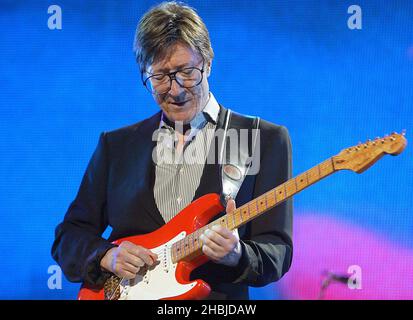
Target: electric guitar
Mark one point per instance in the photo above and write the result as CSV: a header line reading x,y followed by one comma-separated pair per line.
x,y
177,243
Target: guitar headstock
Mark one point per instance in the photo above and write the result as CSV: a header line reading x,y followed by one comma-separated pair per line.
x,y
360,157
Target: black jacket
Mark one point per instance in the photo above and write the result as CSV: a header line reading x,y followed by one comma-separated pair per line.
x,y
117,190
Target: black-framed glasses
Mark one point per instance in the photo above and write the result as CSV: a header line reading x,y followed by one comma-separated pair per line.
x,y
161,83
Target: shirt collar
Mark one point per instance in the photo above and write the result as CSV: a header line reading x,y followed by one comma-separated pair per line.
x,y
208,114
211,109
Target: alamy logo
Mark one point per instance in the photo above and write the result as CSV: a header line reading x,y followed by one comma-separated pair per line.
x,y
354,280
354,21
55,20
236,142
55,280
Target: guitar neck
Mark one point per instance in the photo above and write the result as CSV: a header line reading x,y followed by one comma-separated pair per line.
x,y
277,195
190,246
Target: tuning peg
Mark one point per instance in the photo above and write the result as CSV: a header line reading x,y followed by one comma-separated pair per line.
x,y
404,132
394,132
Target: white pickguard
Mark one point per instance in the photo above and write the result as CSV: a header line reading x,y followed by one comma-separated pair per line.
x,y
157,282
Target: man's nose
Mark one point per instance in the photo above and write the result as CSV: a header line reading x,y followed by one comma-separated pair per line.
x,y
176,89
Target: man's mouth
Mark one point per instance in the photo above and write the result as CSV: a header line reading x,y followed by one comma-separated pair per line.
x,y
179,104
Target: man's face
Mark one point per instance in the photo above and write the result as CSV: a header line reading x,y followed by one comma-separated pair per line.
x,y
181,104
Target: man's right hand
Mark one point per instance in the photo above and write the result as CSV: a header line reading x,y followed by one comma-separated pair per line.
x,y
126,259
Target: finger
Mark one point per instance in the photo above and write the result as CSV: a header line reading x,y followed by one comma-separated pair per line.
x,y
216,248
130,268
225,245
148,256
147,259
126,275
135,261
210,253
223,232
133,249
125,269
145,254
231,206
153,255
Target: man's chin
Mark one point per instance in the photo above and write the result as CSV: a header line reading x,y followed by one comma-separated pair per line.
x,y
184,117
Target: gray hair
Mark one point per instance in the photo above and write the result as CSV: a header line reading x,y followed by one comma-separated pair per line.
x,y
165,25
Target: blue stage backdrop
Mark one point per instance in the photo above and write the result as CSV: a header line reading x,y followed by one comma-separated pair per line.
x,y
295,63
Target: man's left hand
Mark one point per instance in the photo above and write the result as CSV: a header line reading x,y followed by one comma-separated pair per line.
x,y
220,244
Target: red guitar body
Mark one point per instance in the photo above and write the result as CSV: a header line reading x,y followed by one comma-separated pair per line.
x,y
193,217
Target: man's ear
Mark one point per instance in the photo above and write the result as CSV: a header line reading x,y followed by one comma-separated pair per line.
x,y
208,69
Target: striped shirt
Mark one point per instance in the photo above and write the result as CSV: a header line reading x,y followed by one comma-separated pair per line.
x,y
177,177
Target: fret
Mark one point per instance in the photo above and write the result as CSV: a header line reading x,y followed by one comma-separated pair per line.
x,y
246,213
312,176
329,166
224,222
271,201
229,220
252,206
182,241
279,194
196,240
262,204
289,189
200,232
316,174
233,220
184,246
187,246
191,243
178,250
239,213
300,183
332,165
173,253
176,253
322,168
240,218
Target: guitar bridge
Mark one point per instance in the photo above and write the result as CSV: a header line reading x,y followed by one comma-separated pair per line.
x,y
112,288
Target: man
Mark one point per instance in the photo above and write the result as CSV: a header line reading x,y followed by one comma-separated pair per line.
x,y
124,187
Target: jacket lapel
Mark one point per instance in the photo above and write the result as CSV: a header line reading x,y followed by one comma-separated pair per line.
x,y
211,181
146,147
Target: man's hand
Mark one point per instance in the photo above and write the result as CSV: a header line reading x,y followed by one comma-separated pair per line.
x,y
126,259
220,244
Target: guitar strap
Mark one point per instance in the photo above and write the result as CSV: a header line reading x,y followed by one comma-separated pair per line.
x,y
241,136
